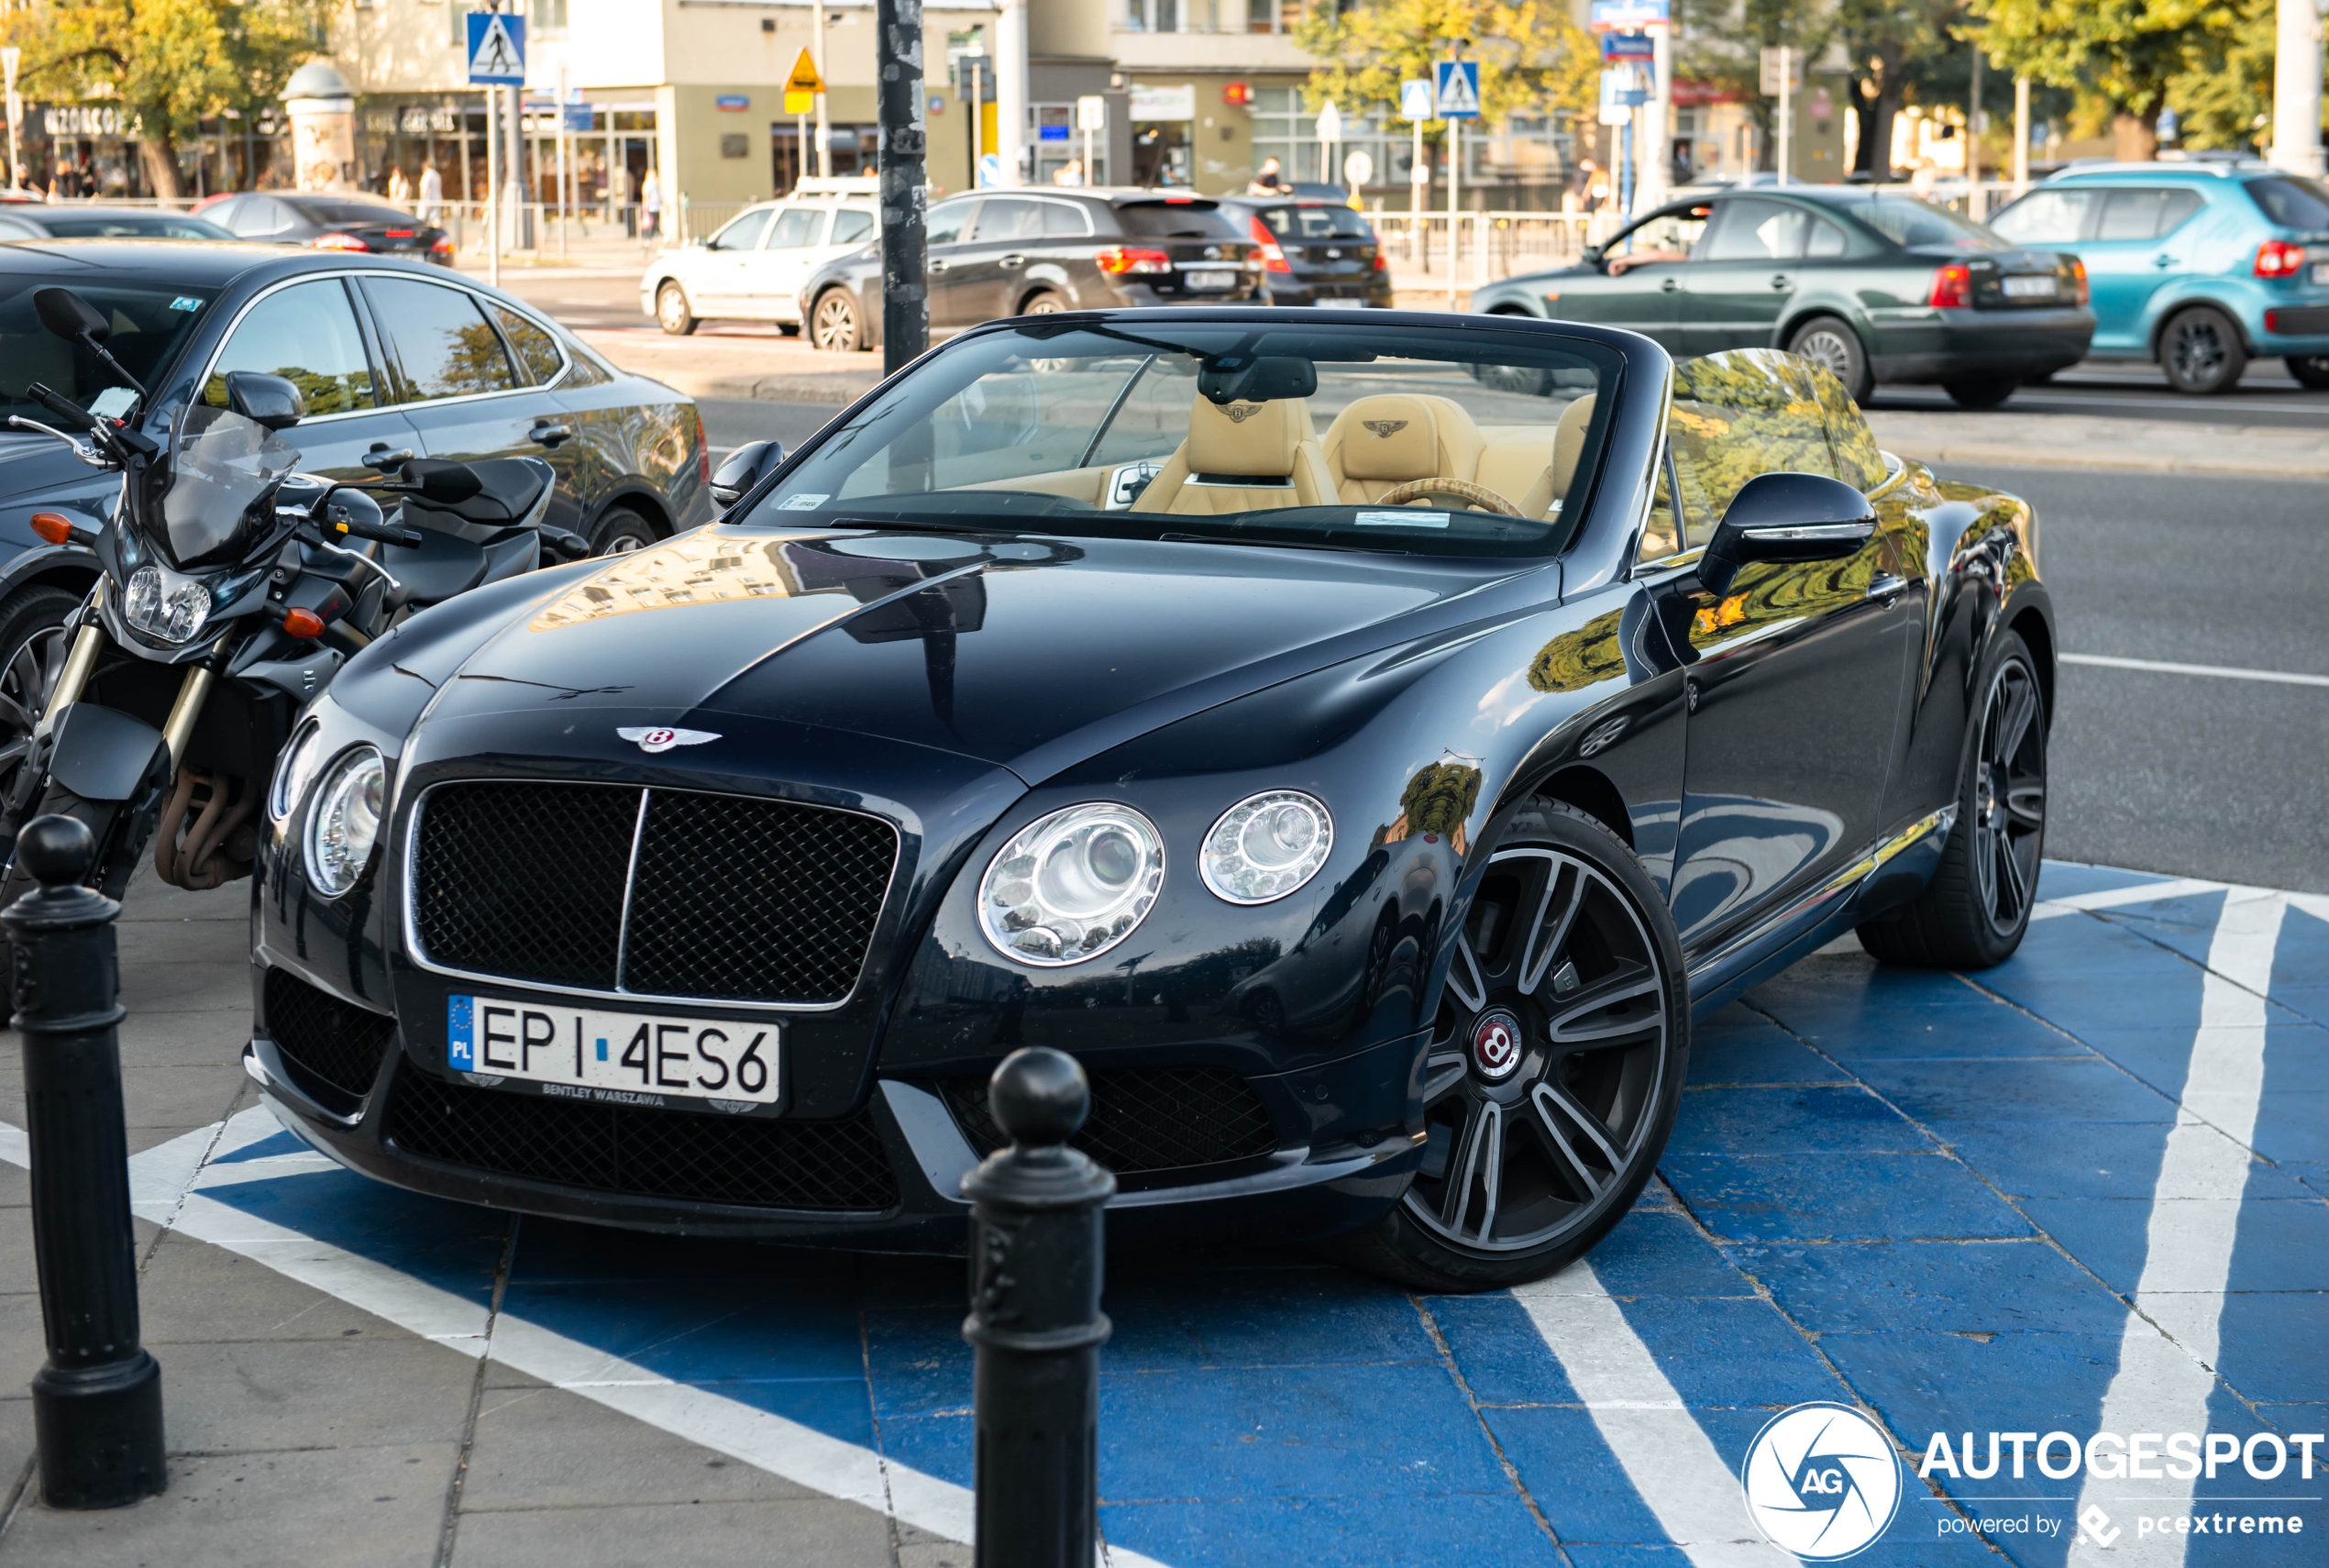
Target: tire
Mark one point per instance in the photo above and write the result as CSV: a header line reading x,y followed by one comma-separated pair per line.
x,y
2201,353
622,530
672,312
1975,910
1979,391
1830,341
2312,370
1043,302
33,646
833,326
1575,1131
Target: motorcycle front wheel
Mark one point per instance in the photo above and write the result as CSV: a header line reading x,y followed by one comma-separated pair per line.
x,y
113,866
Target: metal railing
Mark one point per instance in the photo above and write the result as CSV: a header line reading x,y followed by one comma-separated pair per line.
x,y
1472,249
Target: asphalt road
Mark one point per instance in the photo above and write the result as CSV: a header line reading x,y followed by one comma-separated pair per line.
x,y
2267,395
2199,776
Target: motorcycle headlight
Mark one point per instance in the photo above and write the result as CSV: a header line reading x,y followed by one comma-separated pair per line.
x,y
169,609
1072,885
295,773
345,823
1265,847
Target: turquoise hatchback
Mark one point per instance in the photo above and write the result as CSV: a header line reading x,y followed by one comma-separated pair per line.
x,y
2199,266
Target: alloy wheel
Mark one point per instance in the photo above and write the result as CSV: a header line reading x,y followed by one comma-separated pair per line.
x,y
835,327
1542,1083
2009,797
2197,354
26,682
1824,349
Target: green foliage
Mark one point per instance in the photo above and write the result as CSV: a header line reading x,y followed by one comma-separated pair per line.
x,y
1758,411
1534,59
1574,660
1439,796
2120,55
169,63
2226,100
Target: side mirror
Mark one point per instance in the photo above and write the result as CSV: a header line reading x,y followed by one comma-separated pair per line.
x,y
1591,255
265,400
1786,518
68,315
442,483
743,468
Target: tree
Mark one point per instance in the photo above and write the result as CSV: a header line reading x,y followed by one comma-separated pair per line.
x,y
2225,99
2119,55
1895,47
1534,59
168,63
1722,41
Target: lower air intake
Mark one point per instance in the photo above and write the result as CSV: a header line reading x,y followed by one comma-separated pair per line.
x,y
1146,1120
332,1049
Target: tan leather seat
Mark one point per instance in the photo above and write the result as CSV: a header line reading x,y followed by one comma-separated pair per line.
x,y
1520,464
1387,439
1243,456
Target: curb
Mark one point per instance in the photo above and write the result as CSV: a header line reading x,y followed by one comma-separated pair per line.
x,y
2013,457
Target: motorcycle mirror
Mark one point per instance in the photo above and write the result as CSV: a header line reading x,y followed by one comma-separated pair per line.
x,y
743,468
69,317
272,400
446,483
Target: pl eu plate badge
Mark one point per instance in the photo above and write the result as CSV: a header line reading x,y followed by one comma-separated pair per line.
x,y
460,1034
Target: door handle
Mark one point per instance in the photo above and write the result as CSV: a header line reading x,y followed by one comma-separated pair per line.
x,y
1670,285
1781,280
1014,261
549,434
1886,587
2163,261
940,266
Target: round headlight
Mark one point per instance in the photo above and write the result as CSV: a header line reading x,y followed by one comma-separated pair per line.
x,y
345,823
294,773
1072,885
168,613
1265,847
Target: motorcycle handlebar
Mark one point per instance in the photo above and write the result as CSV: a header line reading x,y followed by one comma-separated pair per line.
x,y
61,406
387,533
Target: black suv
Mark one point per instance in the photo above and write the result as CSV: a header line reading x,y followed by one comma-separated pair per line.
x,y
1027,252
1314,252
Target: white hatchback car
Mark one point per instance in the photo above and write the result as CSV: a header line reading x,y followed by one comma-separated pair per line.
x,y
752,269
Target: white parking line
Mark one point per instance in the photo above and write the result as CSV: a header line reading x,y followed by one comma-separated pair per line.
x,y
2216,672
2167,1350
2115,898
1662,1449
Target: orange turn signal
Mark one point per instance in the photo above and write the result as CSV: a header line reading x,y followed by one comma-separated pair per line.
x,y
53,527
303,623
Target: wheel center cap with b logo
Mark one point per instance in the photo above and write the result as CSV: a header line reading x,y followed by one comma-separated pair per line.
x,y
1496,1045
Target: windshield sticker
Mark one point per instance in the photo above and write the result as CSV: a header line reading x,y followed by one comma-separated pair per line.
x,y
1402,519
185,302
803,502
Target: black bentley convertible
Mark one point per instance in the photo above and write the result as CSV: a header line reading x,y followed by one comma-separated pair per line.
x,y
1363,740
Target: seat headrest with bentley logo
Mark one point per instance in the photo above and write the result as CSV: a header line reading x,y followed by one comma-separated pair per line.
x,y
1247,440
1393,437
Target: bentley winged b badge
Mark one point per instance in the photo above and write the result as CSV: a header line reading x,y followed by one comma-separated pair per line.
x,y
655,738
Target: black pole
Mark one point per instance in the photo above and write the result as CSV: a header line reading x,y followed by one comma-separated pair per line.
x,y
96,1403
1035,1320
905,298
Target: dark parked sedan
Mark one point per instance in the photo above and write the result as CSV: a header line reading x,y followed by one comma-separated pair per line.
x,y
389,355
28,221
331,223
1876,286
1314,253
1031,253
1365,772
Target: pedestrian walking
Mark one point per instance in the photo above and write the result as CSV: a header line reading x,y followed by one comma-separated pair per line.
x,y
1069,173
400,189
651,205
432,192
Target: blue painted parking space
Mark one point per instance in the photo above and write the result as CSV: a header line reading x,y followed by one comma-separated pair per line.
x,y
2085,1193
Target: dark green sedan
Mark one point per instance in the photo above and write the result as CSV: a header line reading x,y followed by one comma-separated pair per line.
x,y
1877,286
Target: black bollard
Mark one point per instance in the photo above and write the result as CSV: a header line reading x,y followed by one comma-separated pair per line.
x,y
1035,1320
96,1403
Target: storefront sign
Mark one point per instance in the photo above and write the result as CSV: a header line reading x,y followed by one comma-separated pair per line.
x,y
1176,102
88,120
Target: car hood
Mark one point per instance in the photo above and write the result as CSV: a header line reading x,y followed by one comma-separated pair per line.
x,y
1030,653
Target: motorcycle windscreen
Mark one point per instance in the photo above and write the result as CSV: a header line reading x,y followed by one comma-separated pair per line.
x,y
222,467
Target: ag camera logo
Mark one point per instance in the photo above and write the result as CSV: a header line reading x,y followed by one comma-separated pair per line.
x,y
1822,1482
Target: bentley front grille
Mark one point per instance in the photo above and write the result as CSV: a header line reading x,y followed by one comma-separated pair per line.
x,y
651,892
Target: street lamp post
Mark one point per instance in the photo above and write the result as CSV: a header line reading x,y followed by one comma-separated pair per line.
x,y
2296,88
898,71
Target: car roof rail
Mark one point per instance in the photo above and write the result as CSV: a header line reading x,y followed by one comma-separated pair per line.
x,y
2222,168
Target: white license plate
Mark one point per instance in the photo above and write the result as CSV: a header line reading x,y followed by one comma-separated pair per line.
x,y
616,1056
2032,288
2321,271
1210,280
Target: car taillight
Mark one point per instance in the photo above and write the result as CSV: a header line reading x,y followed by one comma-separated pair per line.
x,y
339,242
1116,260
2279,259
2079,291
1952,287
442,245
703,451
1272,254
1382,263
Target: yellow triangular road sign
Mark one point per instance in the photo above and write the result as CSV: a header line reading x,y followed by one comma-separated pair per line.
x,y
804,77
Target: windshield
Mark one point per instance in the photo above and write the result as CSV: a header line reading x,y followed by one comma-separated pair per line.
x,y
1467,442
221,464
2292,201
1906,221
133,225
149,325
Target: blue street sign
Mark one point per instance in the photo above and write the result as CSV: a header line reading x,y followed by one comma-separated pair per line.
x,y
1628,46
1628,14
1415,101
578,117
497,49
1456,85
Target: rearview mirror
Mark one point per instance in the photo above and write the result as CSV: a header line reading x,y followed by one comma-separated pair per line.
x,y
265,400
743,468
439,481
69,317
1786,518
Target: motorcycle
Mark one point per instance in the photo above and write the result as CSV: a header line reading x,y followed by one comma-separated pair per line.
x,y
233,588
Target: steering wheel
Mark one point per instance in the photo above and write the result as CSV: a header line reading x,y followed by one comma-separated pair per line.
x,y
1477,495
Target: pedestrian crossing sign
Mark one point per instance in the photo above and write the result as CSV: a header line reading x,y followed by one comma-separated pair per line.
x,y
497,49
1415,101
1458,85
